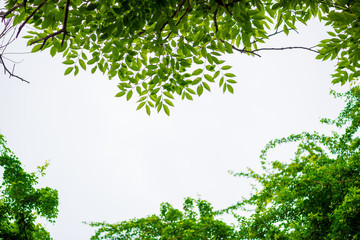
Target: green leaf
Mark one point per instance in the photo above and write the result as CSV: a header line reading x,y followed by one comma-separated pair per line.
x,y
53,51
142,104
169,102
221,81
230,88
68,62
120,94
200,90
166,109
36,48
84,56
159,106
188,96
209,78
206,86
286,30
148,111
231,81
226,67
169,95
197,72
68,70
128,95
228,47
82,64
76,70
230,75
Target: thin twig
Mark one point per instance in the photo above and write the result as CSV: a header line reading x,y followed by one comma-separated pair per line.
x,y
6,70
286,48
241,50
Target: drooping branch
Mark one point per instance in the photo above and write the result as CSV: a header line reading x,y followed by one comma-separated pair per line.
x,y
11,73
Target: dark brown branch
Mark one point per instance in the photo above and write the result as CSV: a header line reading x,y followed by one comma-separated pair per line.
x,y
65,21
12,9
63,30
285,48
30,16
215,21
11,74
226,7
241,50
232,2
44,39
178,22
174,14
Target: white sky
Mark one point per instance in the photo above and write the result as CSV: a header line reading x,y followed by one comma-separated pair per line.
x,y
110,162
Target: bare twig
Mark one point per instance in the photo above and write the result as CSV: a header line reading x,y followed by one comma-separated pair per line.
x,y
273,34
286,48
6,70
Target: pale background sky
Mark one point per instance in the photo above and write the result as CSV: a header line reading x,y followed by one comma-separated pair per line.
x,y
110,162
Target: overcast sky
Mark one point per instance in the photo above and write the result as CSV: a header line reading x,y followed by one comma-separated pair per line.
x,y
110,162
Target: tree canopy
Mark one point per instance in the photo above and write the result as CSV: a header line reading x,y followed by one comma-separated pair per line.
x,y
200,223
314,195
158,49
20,202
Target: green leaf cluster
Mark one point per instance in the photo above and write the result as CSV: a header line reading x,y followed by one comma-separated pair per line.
x,y
344,42
171,223
158,49
20,202
316,194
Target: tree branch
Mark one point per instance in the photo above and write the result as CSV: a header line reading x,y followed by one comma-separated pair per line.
x,y
30,16
215,21
3,15
286,48
44,39
241,50
6,70
181,4
63,30
65,21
